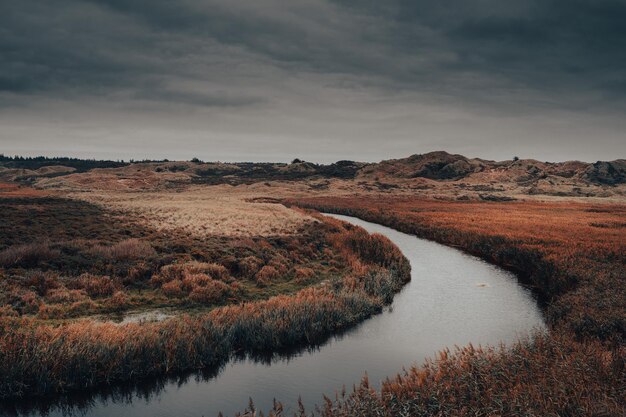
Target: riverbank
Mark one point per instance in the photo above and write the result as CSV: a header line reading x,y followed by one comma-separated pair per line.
x,y
39,358
452,299
573,253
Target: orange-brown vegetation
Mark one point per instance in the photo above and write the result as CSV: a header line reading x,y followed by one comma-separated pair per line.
x,y
12,190
577,266
30,253
556,247
39,356
125,250
548,376
102,252
203,211
240,266
204,283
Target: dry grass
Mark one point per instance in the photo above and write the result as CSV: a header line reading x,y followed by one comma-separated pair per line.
x,y
102,252
27,254
557,247
205,211
548,376
38,358
12,190
578,369
125,250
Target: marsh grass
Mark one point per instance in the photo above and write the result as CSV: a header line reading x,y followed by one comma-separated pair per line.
x,y
548,375
101,252
41,357
577,369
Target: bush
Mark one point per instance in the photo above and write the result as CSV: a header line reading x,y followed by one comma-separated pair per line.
x,y
63,295
125,250
27,255
173,288
42,282
304,274
249,266
183,270
83,307
192,281
211,293
119,301
8,311
50,312
217,271
266,275
281,264
96,286
29,302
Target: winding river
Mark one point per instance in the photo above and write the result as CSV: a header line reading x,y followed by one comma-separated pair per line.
x,y
452,299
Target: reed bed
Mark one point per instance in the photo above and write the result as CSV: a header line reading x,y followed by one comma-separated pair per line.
x,y
37,358
573,256
548,375
557,248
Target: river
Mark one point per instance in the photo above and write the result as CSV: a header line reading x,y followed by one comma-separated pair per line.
x,y
452,299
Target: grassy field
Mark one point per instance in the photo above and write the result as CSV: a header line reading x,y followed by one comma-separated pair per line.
x,y
202,211
240,273
68,265
572,253
97,261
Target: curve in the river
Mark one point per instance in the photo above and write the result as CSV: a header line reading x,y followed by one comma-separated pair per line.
x,y
452,299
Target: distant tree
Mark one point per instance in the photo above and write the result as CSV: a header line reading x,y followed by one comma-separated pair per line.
x,y
297,161
196,161
516,158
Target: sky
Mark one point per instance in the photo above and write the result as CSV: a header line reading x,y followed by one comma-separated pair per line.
x,y
270,80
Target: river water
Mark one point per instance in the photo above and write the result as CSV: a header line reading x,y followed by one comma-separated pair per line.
x,y
452,299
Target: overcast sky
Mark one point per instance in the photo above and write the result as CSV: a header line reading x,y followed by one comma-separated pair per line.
x,y
270,80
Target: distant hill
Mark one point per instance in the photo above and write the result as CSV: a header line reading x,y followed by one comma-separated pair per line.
x,y
434,174
444,166
36,162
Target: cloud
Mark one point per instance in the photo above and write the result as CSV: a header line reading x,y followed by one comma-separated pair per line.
x,y
564,46
295,69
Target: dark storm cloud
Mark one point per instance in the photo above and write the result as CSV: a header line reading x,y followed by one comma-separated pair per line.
x,y
293,59
64,45
568,45
558,45
571,44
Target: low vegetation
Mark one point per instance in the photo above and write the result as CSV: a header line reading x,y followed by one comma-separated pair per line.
x,y
573,254
93,261
249,172
548,376
246,294
243,275
204,211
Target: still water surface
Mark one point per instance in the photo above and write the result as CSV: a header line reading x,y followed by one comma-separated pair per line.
x,y
452,299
